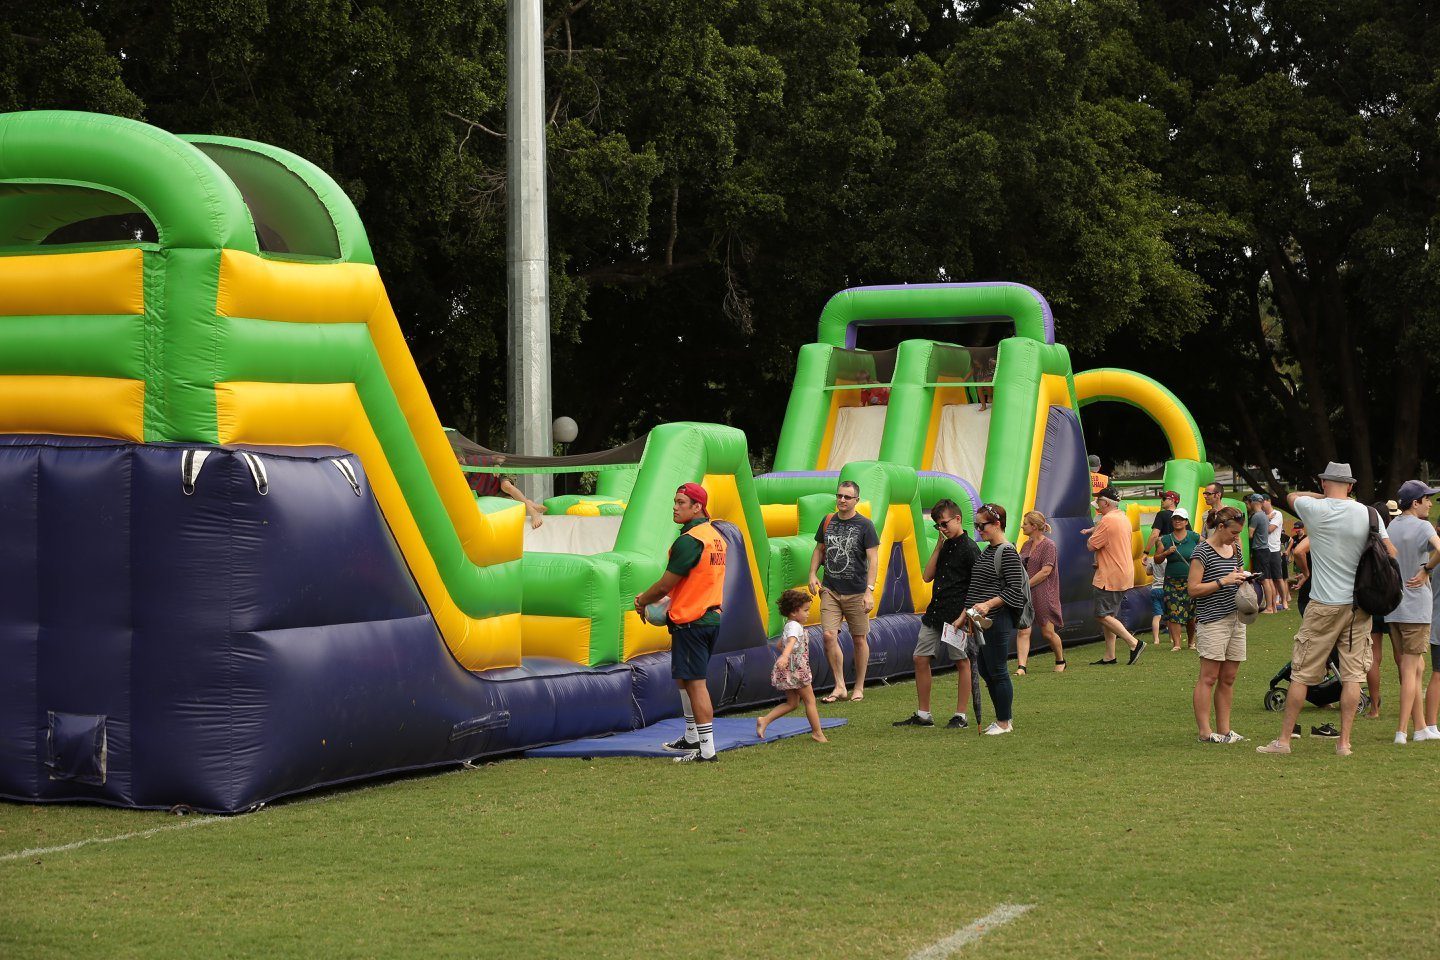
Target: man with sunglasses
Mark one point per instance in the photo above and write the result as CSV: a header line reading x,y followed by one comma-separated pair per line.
x,y
849,547
1214,500
949,570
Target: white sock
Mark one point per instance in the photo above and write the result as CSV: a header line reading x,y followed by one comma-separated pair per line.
x,y
1400,736
707,740
690,733
923,714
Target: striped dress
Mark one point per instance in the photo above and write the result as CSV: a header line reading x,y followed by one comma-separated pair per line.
x,y
1218,605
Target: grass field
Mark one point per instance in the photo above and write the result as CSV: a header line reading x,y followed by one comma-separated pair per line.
x,y
1130,839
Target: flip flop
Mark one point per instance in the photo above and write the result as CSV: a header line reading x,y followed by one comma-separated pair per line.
x,y
833,698
856,697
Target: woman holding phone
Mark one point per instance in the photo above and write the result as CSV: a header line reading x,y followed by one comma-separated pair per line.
x,y
1215,576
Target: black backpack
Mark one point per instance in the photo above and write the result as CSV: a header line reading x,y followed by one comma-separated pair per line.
x,y
1377,578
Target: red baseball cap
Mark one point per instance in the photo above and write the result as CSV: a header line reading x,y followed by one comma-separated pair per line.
x,y
1170,495
697,494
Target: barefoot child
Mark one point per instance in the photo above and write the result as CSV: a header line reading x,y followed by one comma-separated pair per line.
x,y
792,670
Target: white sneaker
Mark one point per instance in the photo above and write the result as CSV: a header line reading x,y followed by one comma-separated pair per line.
x,y
1425,733
1400,738
1231,737
995,730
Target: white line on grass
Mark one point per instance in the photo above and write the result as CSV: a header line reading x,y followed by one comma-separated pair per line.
x,y
196,822
137,835
1001,915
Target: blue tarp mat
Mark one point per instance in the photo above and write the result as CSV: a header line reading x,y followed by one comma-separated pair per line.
x,y
730,733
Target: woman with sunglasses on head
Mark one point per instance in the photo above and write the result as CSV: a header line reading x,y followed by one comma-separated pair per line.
x,y
994,601
1042,564
1215,577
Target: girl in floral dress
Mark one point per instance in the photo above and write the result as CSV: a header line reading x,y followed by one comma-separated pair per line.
x,y
791,674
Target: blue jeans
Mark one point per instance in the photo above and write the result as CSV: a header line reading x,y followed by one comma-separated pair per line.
x,y
995,662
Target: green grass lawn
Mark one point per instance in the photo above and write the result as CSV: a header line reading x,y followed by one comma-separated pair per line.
x,y
1131,839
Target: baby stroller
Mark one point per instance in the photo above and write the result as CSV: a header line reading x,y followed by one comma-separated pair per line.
x,y
1322,694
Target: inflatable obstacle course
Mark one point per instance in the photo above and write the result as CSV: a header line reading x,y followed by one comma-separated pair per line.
x,y
195,327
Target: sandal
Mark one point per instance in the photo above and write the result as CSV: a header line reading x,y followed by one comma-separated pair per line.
x,y
1059,666
1020,671
833,698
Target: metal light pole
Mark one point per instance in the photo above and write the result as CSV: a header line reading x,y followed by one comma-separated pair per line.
x,y
527,252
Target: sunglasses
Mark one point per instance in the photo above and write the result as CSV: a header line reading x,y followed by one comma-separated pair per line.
x,y
942,524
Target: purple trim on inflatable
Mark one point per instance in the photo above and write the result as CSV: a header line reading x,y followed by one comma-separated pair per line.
x,y
1045,310
975,500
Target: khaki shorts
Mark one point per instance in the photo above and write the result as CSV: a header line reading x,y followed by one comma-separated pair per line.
x,y
1327,627
1222,640
1410,638
837,608
927,644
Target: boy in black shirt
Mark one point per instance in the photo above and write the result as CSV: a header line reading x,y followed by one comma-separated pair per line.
x,y
949,569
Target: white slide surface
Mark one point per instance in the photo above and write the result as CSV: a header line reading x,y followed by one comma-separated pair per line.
x,y
857,435
563,533
961,442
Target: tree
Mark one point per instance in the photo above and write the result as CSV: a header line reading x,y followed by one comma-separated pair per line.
x,y
1305,139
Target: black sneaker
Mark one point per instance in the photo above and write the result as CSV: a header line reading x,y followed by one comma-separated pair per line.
x,y
914,720
957,722
694,756
1135,654
1103,663
682,745
1297,731
1325,730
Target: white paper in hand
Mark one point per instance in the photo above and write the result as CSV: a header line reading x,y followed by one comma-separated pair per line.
x,y
953,637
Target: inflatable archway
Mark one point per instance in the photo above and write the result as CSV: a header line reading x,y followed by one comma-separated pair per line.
x,y
1187,471
1149,396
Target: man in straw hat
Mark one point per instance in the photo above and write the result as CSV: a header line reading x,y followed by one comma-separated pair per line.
x,y
1338,530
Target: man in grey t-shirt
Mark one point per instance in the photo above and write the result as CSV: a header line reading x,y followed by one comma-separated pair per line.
x,y
1338,528
1264,563
1417,547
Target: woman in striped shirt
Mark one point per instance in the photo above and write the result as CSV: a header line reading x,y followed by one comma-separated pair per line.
x,y
998,599
1215,576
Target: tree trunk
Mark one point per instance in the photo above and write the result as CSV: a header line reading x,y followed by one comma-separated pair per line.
x,y
1347,362
1302,332
1409,395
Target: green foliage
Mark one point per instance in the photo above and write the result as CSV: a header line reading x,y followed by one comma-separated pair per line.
x,y
1258,178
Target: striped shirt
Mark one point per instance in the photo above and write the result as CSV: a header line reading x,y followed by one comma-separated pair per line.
x,y
1218,605
984,584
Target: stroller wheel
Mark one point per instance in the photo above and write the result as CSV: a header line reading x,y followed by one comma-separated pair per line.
x,y
1275,699
1364,703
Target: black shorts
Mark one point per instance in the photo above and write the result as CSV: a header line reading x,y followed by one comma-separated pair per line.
x,y
690,649
1266,564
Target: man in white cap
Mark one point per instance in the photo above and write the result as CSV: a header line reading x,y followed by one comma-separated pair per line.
x,y
1338,530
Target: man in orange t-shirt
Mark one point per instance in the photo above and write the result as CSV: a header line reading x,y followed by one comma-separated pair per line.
x,y
1110,539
